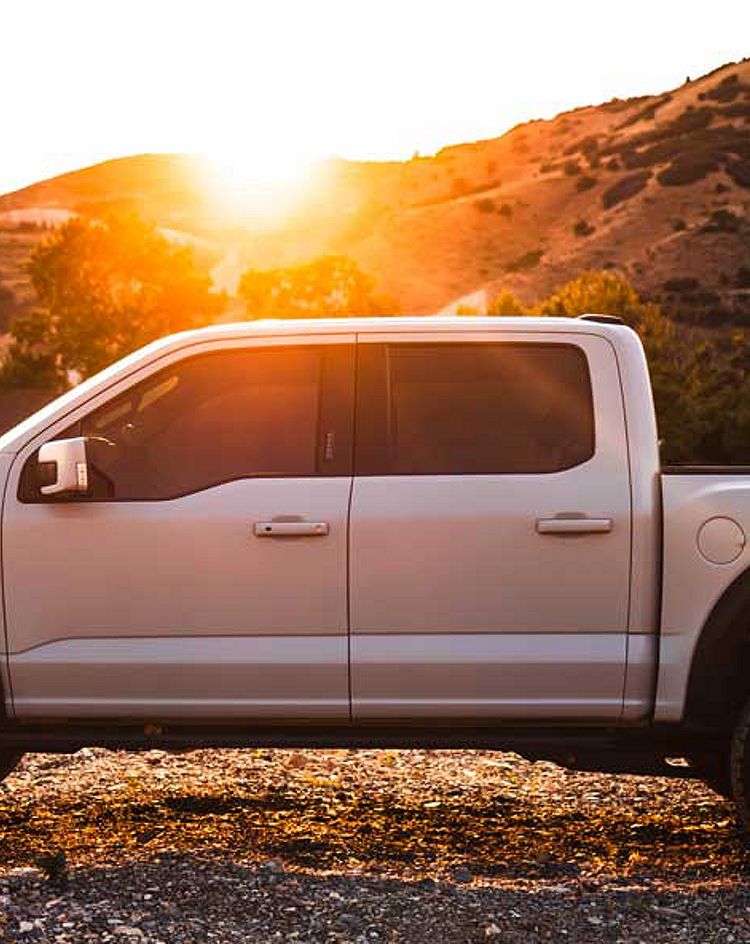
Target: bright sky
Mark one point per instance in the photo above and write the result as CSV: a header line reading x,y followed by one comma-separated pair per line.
x,y
271,84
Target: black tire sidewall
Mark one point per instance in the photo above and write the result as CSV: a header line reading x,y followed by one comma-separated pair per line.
x,y
8,762
740,767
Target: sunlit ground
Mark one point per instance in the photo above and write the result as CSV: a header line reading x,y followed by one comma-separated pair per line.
x,y
410,847
393,811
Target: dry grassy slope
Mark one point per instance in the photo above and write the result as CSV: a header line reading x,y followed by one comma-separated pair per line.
x,y
451,247
496,213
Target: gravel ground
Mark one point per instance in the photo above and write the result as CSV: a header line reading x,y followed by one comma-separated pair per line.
x,y
361,846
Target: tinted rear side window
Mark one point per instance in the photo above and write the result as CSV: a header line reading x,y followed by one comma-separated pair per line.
x,y
473,409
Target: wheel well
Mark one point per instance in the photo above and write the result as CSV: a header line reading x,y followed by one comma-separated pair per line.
x,y
719,680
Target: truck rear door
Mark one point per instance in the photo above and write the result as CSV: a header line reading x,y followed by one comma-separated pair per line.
x,y
490,527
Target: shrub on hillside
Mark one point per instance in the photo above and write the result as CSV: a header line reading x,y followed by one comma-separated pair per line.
x,y
588,146
523,263
625,189
507,304
692,119
739,171
485,205
658,153
581,228
585,183
726,91
681,285
506,210
738,110
645,114
604,293
723,221
688,169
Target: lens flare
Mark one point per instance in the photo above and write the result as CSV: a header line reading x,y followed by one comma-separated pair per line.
x,y
258,184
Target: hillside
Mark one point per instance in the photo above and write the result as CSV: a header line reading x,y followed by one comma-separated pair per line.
x,y
657,187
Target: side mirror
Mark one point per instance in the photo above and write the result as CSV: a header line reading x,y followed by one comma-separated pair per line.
x,y
62,467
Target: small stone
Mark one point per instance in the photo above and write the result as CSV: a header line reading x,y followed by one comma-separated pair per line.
x,y
462,875
492,930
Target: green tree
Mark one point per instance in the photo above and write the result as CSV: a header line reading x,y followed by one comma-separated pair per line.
x,y
330,286
603,293
105,288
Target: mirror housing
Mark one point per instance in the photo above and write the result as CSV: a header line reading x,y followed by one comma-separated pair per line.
x,y
68,456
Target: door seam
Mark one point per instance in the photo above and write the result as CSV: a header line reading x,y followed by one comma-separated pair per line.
x,y
353,470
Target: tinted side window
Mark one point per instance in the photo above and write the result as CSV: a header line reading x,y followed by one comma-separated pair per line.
x,y
472,409
265,412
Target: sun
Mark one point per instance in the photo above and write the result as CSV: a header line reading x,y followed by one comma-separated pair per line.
x,y
258,183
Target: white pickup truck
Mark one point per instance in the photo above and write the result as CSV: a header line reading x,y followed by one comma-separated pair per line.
x,y
410,531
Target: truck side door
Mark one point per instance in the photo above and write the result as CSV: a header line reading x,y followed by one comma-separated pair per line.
x,y
490,528
175,589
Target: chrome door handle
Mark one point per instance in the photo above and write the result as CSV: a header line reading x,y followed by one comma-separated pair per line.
x,y
290,529
574,525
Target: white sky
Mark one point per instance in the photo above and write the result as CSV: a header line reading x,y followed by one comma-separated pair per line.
x,y
267,83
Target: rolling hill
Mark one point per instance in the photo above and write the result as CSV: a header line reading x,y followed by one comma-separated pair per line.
x,y
657,187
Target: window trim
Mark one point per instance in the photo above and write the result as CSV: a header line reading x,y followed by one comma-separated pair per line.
x,y
372,401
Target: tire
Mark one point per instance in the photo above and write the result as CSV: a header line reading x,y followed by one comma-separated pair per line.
x,y
740,767
714,770
8,762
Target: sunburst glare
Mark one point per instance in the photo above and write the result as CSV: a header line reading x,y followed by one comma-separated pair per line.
x,y
259,183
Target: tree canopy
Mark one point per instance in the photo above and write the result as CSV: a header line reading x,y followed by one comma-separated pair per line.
x,y
105,288
331,286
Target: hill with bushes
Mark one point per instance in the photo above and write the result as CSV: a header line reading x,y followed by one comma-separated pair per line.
x,y
656,188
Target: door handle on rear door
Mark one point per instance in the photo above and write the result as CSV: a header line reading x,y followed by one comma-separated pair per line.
x,y
290,529
572,525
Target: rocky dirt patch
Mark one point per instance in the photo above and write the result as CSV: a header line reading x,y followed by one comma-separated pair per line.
x,y
361,846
